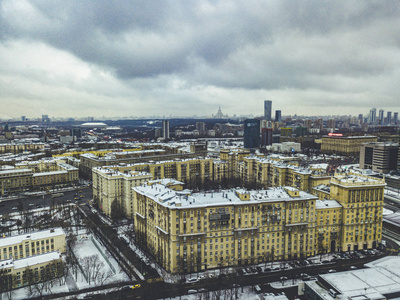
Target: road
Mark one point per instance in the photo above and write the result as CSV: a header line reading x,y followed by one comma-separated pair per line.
x,y
31,202
160,290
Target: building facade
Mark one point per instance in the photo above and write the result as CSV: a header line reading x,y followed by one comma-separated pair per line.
x,y
116,182
251,137
267,110
30,244
191,232
16,273
345,145
111,185
38,175
165,129
379,157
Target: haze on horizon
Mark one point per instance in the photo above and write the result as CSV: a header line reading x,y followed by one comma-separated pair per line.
x,y
142,58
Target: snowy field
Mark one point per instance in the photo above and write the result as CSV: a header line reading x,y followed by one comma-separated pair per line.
x,y
84,248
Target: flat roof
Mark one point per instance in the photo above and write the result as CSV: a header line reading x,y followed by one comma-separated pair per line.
x,y
48,233
49,173
36,259
322,204
382,277
182,199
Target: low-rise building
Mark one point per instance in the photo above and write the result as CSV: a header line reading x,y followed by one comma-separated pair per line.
x,y
345,145
37,175
30,244
16,273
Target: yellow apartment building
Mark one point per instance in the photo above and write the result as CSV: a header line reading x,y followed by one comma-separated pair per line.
x,y
271,173
190,232
114,185
328,230
19,148
362,201
30,244
37,175
90,160
21,272
345,145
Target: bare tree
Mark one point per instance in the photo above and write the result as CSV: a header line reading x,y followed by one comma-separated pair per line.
x,y
104,276
7,282
95,269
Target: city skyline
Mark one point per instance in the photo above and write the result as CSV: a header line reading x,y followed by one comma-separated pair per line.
x,y
142,59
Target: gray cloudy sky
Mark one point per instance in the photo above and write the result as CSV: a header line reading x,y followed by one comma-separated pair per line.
x,y
141,58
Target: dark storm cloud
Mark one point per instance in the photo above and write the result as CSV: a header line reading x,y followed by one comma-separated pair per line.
x,y
150,38
340,48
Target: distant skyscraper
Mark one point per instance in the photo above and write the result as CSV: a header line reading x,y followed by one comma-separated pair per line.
x,y
23,118
201,127
165,129
319,124
389,117
266,136
331,123
45,119
267,110
219,114
381,116
251,133
372,115
360,118
396,118
76,132
278,116
307,123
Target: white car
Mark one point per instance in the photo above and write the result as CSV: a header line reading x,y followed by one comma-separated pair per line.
x,y
192,280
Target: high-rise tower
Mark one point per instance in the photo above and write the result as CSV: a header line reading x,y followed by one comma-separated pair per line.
x,y
278,116
267,110
381,116
251,137
165,129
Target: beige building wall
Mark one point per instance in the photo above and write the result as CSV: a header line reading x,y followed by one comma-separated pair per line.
x,y
362,201
349,145
31,244
110,185
201,237
25,271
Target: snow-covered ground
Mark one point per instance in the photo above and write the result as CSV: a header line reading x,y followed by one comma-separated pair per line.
x,y
84,247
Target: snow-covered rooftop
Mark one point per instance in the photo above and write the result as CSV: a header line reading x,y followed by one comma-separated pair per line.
x,y
322,188
36,259
322,204
166,181
31,236
9,171
354,180
111,172
393,218
182,199
381,278
50,173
